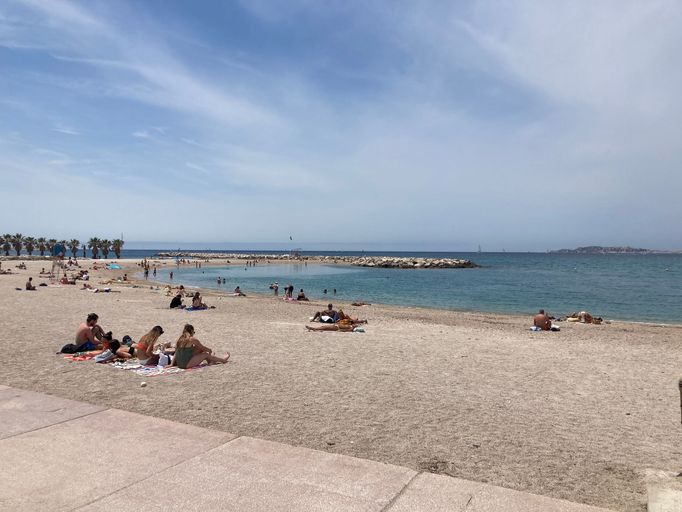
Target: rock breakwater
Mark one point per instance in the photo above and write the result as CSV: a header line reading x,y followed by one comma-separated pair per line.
x,y
359,261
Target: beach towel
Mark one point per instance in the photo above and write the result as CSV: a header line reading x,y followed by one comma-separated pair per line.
x,y
554,328
196,309
82,356
130,364
155,371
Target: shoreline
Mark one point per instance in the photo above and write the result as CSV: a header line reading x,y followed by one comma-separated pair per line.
x,y
132,264
331,298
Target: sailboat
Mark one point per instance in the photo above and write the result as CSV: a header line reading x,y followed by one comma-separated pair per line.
x,y
479,248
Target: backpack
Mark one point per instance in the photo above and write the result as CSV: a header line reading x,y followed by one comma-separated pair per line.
x,y
69,348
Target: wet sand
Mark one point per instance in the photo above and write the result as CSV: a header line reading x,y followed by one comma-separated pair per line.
x,y
578,414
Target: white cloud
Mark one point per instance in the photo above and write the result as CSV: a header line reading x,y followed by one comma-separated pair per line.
x,y
65,129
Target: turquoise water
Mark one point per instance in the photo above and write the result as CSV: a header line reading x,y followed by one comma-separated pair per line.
x,y
625,287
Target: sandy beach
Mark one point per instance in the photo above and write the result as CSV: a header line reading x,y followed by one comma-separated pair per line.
x,y
578,414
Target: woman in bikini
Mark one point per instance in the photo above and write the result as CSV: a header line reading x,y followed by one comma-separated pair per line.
x,y
144,349
189,352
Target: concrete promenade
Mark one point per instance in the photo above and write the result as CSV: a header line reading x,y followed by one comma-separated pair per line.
x,y
58,454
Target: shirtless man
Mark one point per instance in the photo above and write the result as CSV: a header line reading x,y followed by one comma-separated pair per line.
x,y
329,312
542,320
29,284
89,334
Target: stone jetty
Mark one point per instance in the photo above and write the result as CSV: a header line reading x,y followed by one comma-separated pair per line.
x,y
359,261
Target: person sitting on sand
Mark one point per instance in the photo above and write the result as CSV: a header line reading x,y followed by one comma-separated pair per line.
x,y
196,302
238,292
177,301
89,335
144,349
542,320
301,296
189,351
29,285
43,271
328,316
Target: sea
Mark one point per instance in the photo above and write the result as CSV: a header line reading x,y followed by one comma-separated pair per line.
x,y
632,287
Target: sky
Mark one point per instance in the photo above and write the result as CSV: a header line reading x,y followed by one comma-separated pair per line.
x,y
403,125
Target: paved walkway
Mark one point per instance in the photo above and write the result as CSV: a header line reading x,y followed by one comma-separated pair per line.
x,y
58,454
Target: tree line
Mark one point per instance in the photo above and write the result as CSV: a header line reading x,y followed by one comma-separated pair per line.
x,y
17,242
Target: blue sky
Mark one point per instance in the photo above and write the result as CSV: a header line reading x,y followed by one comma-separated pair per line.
x,y
407,125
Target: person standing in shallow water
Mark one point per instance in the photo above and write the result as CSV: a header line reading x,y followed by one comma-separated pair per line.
x,y
171,274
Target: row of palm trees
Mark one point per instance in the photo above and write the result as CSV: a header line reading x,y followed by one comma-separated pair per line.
x,y
17,242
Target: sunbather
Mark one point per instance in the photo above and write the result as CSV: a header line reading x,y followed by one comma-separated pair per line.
x,y
585,318
197,303
177,301
344,317
344,327
89,335
144,349
29,284
189,351
542,320
328,316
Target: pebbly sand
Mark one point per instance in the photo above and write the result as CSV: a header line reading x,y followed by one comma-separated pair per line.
x,y
577,414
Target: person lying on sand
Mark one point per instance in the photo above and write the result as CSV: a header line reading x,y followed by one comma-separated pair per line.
x,y
584,318
89,335
343,317
189,351
329,315
29,284
120,351
360,304
542,320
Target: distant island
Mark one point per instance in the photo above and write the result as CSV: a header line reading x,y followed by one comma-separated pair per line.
x,y
598,249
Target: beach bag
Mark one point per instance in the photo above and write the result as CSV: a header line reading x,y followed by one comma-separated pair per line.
x,y
69,348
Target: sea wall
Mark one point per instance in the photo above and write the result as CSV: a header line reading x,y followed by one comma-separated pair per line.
x,y
360,261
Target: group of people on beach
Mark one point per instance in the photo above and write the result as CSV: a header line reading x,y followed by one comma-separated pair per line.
x,y
543,321
187,353
334,321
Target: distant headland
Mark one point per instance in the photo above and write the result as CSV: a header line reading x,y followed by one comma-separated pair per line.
x,y
598,249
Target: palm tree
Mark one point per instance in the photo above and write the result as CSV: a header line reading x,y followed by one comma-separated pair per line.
x,y
50,245
106,247
73,246
30,244
42,245
117,246
6,243
94,244
18,242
